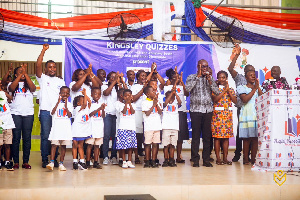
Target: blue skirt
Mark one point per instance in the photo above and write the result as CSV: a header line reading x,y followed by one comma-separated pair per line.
x,y
126,139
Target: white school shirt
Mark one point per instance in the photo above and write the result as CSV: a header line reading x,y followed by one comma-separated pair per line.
x,y
180,93
49,92
110,100
97,120
6,119
81,126
170,119
153,121
22,103
61,123
135,89
126,121
78,92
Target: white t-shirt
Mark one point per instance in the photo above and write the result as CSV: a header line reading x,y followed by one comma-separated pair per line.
x,y
82,126
22,103
126,121
5,117
49,91
170,118
61,123
75,94
110,100
180,93
136,88
153,121
97,120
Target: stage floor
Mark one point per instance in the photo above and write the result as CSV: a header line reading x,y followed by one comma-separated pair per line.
x,y
182,182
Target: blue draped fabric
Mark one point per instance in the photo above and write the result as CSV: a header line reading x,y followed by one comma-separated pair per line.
x,y
185,30
190,16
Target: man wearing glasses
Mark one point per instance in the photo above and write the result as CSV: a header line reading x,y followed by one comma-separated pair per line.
x,y
200,86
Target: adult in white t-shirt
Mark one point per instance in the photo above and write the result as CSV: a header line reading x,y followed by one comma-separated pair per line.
x,y
50,86
183,134
110,97
83,79
22,111
138,97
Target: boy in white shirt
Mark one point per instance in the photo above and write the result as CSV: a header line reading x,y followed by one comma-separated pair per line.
x,y
60,133
97,114
152,110
7,124
170,126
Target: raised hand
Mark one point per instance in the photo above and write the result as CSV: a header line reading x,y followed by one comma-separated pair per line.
x,y
256,86
59,99
175,69
102,107
199,74
83,91
155,100
45,47
24,66
153,67
10,69
237,49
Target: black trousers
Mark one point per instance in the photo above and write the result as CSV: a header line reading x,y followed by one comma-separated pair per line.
x,y
238,140
201,122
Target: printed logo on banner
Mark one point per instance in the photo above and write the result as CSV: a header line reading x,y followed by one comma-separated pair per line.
x,y
268,155
261,163
268,164
278,164
290,155
268,102
291,164
278,155
267,146
259,155
263,114
276,101
262,105
279,177
292,126
276,91
267,128
289,100
267,137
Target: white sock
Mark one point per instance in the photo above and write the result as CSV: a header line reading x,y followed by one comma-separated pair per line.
x,y
126,156
124,162
82,160
75,160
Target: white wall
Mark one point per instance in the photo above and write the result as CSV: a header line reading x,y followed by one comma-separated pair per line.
x,y
28,52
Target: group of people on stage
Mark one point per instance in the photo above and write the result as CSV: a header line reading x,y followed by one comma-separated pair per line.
x,y
143,110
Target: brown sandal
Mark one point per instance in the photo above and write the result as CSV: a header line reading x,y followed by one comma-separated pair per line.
x,y
220,163
227,162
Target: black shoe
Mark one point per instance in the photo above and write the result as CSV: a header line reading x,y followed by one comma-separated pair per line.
x,y
147,164
172,163
45,163
165,163
75,165
196,164
88,164
157,162
97,165
82,165
8,167
154,164
56,163
236,158
211,159
120,163
141,154
207,164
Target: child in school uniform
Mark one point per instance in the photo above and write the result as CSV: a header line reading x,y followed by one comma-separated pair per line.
x,y
7,124
60,133
152,111
97,114
126,136
81,128
247,119
170,126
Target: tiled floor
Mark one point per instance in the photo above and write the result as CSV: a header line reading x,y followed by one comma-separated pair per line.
x,y
184,182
